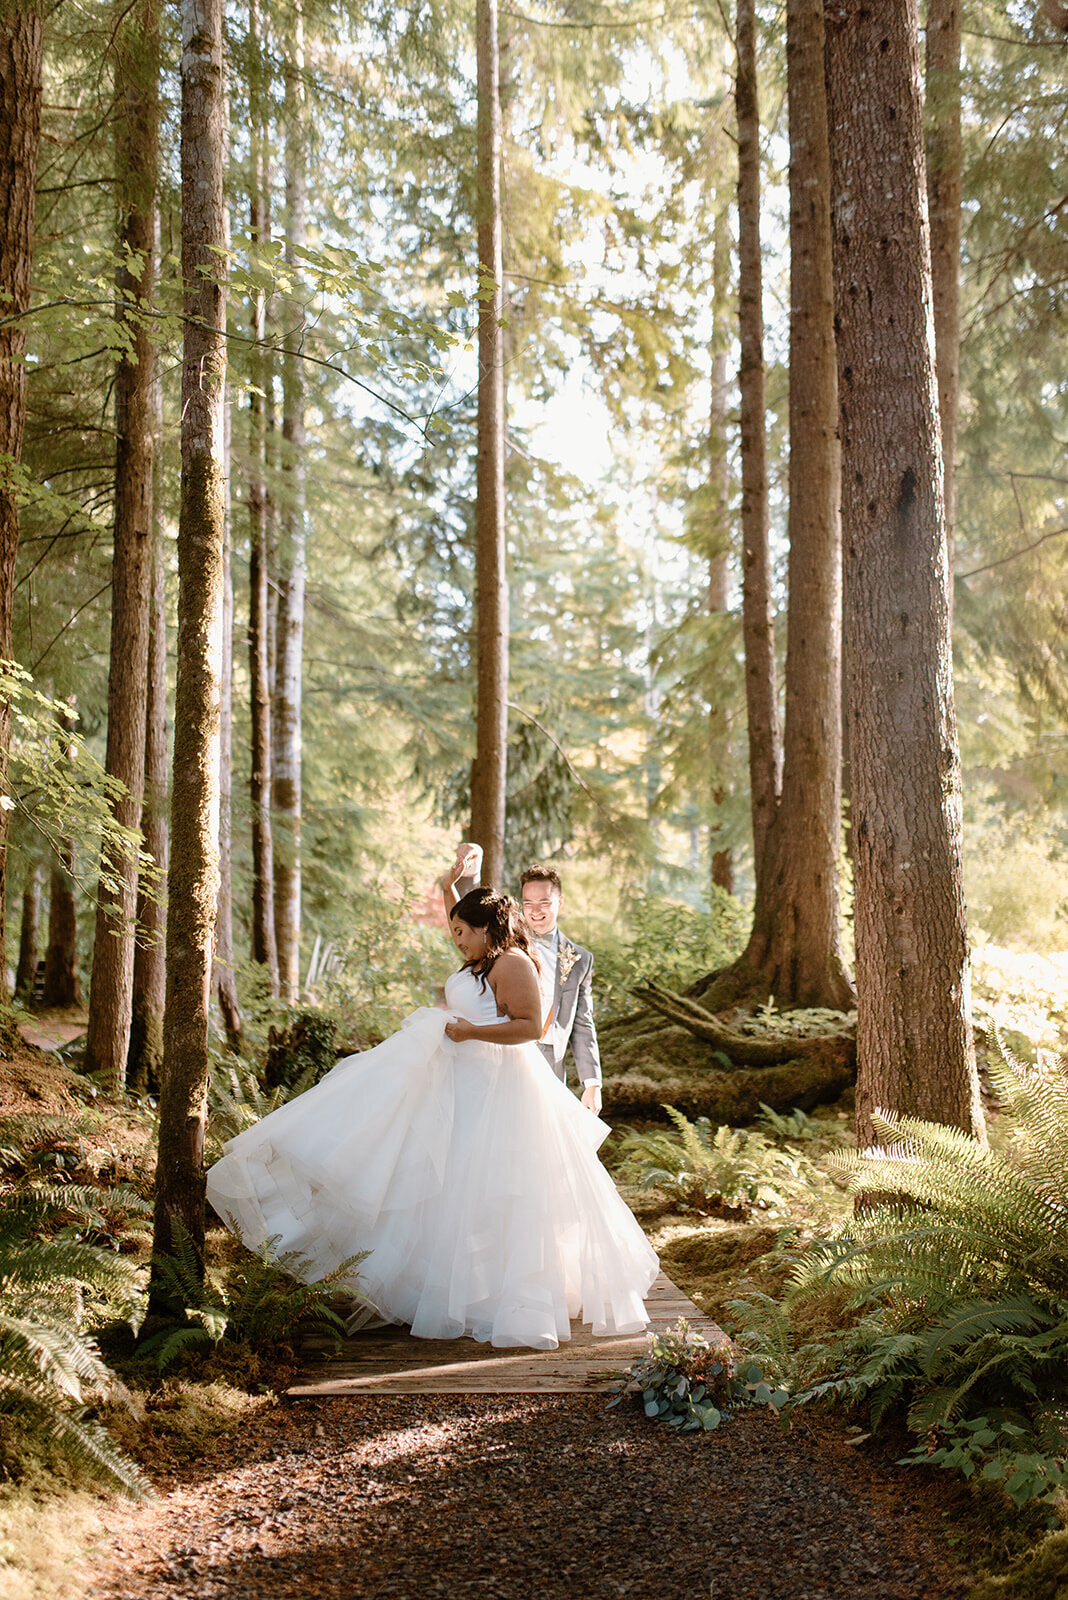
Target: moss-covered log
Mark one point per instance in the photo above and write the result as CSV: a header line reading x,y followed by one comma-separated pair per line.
x,y
656,1064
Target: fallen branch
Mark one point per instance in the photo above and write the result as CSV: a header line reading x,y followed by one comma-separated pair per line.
x,y
738,1047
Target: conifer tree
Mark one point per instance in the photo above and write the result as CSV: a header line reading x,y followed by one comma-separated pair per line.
x,y
489,770
765,755
796,942
20,137
193,879
914,1040
287,708
137,159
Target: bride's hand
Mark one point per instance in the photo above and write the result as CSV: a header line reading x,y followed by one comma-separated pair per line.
x,y
468,863
458,1030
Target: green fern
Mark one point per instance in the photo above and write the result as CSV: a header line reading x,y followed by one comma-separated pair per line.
x,y
266,1300
714,1169
50,1372
969,1263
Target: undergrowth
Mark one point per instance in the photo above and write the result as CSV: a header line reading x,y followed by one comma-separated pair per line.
x,y
955,1290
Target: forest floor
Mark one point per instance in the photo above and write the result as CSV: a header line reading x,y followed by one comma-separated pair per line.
x,y
259,1498
462,1496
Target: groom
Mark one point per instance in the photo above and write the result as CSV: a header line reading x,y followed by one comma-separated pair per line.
x,y
566,976
566,985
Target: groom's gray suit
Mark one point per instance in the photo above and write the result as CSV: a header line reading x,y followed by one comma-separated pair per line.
x,y
571,1021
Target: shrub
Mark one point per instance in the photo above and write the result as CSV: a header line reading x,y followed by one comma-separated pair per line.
x,y
669,942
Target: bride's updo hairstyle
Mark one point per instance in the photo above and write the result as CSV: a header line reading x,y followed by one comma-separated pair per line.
x,y
502,918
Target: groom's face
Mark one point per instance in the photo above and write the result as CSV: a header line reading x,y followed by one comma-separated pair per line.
x,y
541,906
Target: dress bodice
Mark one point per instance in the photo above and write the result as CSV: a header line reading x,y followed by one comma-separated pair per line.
x,y
464,993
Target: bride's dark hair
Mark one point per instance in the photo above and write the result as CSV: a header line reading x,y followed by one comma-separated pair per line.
x,y
502,918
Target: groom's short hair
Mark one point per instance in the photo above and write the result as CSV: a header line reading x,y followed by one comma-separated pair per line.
x,y
540,874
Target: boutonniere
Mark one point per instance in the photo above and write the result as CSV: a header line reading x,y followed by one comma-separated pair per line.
x,y
567,959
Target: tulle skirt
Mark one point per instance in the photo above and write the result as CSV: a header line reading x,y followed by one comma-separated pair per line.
x,y
469,1175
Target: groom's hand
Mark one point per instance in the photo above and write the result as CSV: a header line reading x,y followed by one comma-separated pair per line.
x,y
591,1098
468,863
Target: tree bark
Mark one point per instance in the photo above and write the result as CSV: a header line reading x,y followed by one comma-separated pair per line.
x,y
62,985
761,694
914,1037
944,189
144,1064
796,939
20,139
29,933
489,770
264,949
721,868
286,721
137,154
225,977
193,880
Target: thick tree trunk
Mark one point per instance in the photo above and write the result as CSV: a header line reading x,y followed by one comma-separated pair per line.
x,y
137,146
719,534
264,949
193,880
20,138
760,675
29,933
796,941
489,770
225,977
944,188
62,985
144,1064
286,723
914,1037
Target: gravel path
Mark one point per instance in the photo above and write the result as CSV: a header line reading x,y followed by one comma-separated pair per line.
x,y
407,1497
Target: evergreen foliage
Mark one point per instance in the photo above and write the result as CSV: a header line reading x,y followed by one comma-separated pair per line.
x,y
264,1301
957,1269
51,1373
722,1171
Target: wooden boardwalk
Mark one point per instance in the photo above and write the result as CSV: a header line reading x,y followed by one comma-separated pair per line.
x,y
390,1361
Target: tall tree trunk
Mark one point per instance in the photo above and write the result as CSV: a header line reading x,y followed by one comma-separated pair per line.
x,y
914,1035
944,188
193,880
225,977
489,770
796,940
137,147
29,933
264,949
62,985
761,694
144,1064
20,139
286,721
719,533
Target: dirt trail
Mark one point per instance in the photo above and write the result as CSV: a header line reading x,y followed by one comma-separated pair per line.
x,y
403,1497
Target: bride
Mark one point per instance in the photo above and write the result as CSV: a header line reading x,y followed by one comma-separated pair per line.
x,y
457,1161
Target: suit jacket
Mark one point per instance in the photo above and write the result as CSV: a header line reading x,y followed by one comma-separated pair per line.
x,y
572,1018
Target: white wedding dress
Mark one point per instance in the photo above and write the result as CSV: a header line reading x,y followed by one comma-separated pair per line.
x,y
469,1173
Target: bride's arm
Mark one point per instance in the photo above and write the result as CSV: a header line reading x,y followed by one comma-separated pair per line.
x,y
515,989
462,875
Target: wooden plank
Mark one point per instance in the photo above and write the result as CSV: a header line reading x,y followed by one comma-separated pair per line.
x,y
390,1361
